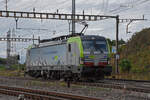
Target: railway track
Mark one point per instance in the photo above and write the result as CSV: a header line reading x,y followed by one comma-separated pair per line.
x,y
122,84
126,80
106,80
40,95
117,86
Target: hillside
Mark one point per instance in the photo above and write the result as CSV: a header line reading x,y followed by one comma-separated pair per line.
x,y
137,50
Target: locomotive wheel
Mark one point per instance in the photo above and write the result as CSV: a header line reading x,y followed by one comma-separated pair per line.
x,y
100,76
44,76
76,77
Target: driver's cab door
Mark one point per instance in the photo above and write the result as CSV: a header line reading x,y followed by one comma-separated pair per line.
x,y
73,54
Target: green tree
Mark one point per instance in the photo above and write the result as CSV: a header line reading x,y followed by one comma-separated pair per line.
x,y
125,65
121,42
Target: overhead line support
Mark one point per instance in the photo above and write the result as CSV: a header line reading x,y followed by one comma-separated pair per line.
x,y
18,39
37,15
130,21
117,47
73,17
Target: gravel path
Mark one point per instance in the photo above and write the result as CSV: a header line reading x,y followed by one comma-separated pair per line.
x,y
5,97
97,92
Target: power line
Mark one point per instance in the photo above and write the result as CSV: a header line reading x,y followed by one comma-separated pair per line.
x,y
105,5
128,6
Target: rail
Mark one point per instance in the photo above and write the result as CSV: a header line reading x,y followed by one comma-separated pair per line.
x,y
41,95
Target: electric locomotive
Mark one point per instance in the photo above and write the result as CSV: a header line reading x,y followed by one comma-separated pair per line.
x,y
75,56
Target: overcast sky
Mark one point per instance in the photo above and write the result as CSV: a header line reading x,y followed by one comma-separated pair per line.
x,y
123,8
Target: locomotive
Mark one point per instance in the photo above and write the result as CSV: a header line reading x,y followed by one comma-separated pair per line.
x,y
75,56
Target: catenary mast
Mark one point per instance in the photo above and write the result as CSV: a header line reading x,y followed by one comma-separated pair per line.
x,y
73,17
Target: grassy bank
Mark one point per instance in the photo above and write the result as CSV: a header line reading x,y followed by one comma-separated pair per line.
x,y
11,73
13,70
134,76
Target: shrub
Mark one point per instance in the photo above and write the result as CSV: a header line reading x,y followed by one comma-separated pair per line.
x,y
125,65
2,67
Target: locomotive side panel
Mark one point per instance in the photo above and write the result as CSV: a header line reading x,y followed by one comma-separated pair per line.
x,y
50,57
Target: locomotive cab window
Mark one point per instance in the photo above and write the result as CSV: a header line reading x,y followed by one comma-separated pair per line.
x,y
69,47
96,45
101,45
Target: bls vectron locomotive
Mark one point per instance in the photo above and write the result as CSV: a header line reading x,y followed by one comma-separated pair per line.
x,y
78,57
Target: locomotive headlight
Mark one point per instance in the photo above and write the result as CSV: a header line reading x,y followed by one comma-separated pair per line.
x,y
108,62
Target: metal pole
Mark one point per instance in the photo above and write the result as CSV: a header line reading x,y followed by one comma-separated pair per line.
x,y
16,19
6,5
73,17
39,39
117,38
69,22
8,44
33,39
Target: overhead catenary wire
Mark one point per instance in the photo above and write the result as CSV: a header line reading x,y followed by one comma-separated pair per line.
x,y
105,5
127,6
